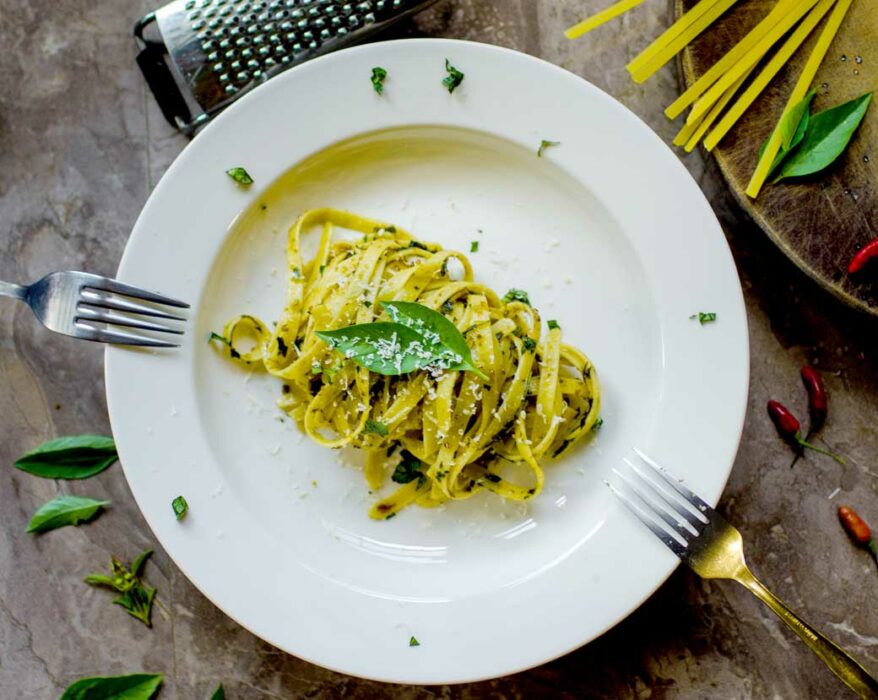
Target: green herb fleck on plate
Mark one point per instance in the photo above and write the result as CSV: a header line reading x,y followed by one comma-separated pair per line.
x,y
544,145
379,75
474,247
180,506
703,317
597,425
454,77
553,324
414,642
239,175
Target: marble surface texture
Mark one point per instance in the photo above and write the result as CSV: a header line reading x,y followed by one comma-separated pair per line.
x,y
81,146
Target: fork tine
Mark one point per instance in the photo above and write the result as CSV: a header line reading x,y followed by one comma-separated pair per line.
x,y
106,302
105,284
676,485
658,531
102,335
658,506
694,517
85,313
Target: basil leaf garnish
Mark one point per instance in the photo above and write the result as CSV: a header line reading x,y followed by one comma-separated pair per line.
x,y
137,686
64,510
826,137
76,457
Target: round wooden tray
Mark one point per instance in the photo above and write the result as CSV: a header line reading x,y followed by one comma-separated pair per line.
x,y
821,221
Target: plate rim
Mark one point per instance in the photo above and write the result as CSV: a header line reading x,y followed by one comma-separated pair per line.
x,y
110,353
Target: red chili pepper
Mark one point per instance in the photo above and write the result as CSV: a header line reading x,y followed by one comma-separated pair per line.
x,y
857,530
791,430
864,255
818,404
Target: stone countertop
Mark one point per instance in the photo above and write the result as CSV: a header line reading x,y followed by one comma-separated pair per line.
x,y
81,146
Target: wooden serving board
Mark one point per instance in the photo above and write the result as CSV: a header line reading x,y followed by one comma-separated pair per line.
x,y
821,221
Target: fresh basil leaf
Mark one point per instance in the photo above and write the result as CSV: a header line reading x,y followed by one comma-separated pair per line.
x,y
180,507
544,145
376,427
408,469
75,457
64,510
380,347
826,138
379,74
791,125
239,175
137,686
454,77
100,580
438,331
138,564
137,602
219,693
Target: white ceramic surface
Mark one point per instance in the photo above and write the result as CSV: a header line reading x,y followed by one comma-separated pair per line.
x,y
608,233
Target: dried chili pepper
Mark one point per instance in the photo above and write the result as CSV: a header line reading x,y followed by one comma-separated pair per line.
x,y
791,430
864,255
818,404
857,530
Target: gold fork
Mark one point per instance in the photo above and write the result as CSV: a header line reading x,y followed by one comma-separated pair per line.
x,y
713,548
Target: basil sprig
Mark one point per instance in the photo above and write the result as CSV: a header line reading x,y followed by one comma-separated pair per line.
x,y
136,597
76,457
137,686
416,338
64,510
812,142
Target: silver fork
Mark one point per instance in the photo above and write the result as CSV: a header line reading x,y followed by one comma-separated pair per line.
x,y
713,548
90,306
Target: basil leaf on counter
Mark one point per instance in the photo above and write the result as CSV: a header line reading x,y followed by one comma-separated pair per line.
x,y
136,597
793,125
454,77
240,175
64,510
219,693
75,457
138,686
826,138
180,506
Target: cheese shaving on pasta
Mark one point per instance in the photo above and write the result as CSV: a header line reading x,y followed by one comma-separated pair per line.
x,y
441,434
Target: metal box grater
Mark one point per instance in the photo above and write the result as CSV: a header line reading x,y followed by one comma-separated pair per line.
x,y
198,56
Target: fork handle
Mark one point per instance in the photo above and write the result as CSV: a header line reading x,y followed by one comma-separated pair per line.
x,y
839,662
16,291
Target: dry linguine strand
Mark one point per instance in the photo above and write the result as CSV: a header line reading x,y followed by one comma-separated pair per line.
x,y
542,396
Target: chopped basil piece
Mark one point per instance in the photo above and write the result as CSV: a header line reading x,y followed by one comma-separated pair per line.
x,y
530,344
546,144
447,307
553,324
180,507
703,317
414,642
296,273
322,268
597,425
408,469
516,295
454,77
376,427
221,338
281,347
474,247
239,175
379,74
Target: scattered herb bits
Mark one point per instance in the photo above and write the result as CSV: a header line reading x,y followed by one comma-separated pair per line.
x,y
553,324
379,75
180,506
75,457
544,145
454,78
408,469
137,686
414,642
703,317
376,427
64,510
516,295
136,597
240,175
474,247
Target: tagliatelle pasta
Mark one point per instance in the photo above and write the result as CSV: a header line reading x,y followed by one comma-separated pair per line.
x,y
442,434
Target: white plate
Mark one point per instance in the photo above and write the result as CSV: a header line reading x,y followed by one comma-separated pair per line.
x,y
608,233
